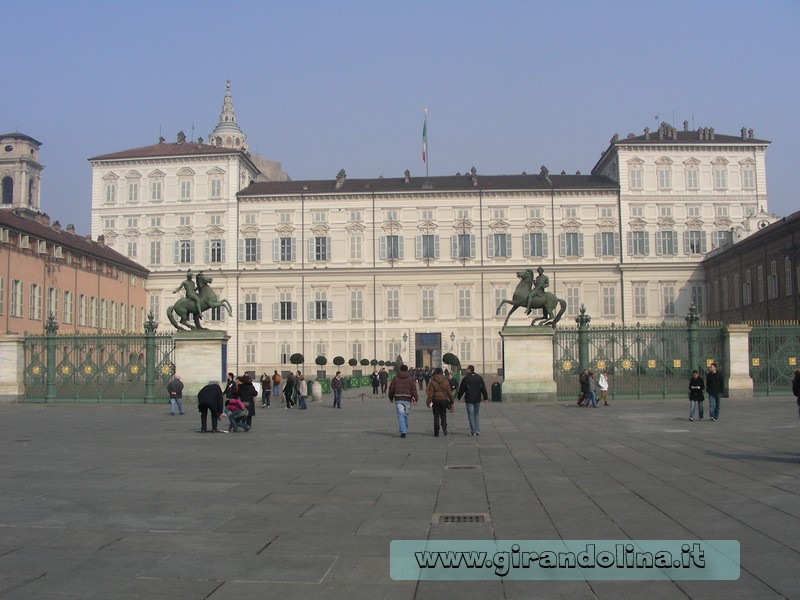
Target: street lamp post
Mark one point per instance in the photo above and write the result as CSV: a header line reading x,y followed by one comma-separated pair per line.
x,y
452,341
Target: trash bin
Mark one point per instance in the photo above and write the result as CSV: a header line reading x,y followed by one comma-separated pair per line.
x,y
497,395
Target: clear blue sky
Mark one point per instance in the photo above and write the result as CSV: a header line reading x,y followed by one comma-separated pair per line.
x,y
321,86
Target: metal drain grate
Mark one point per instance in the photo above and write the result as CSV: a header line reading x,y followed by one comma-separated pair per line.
x,y
461,467
475,518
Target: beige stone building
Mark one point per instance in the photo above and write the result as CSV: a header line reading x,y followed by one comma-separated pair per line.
x,y
373,268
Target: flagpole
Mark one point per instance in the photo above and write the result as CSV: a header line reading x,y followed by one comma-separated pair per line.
x,y
425,156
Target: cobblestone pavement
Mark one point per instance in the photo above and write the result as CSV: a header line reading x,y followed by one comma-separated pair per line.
x,y
127,502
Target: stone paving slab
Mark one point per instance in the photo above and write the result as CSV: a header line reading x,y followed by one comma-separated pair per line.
x,y
125,502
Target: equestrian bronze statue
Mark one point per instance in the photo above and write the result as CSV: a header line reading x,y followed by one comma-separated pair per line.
x,y
531,294
199,297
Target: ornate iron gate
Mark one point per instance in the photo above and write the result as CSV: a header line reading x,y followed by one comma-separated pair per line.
x,y
643,361
774,356
95,368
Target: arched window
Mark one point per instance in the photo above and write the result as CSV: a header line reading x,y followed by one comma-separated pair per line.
x,y
8,190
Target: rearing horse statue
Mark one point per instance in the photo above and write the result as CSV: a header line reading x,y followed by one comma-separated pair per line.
x,y
186,307
523,296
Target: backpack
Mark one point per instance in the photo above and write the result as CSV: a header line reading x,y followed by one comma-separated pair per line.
x,y
276,378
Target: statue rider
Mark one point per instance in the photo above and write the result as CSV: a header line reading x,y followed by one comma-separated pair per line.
x,y
189,288
541,282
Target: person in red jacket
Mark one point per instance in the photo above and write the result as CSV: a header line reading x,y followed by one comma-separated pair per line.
x,y
403,393
237,415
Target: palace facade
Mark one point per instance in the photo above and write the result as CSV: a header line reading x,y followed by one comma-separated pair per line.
x,y
415,266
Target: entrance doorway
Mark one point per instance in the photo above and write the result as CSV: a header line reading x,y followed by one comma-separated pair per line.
x,y
428,350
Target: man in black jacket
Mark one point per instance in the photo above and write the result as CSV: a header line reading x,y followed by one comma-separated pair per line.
x,y
210,399
714,385
473,389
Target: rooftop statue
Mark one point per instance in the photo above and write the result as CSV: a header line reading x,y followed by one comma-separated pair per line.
x,y
198,297
531,293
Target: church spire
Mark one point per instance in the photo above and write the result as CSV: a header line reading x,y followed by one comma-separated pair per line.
x,y
227,134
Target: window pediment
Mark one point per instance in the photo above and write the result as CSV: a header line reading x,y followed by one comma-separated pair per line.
x,y
607,225
215,231
156,174
691,162
155,233
284,230
664,161
535,225
637,224
355,228
635,162
722,223
463,224
111,177
694,224
427,226
185,172
666,223
392,227
133,175
132,234
320,229
184,231
250,230
571,223
215,171
111,235
499,226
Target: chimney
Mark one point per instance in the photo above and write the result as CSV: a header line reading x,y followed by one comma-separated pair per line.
x,y
750,133
71,228
744,132
647,133
686,125
161,139
406,176
56,226
474,173
181,137
711,131
101,240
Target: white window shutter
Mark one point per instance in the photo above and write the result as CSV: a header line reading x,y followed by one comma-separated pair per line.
x,y
490,245
177,252
630,243
240,243
674,241
508,245
191,252
259,311
276,311
241,311
328,249
598,244
294,249
647,242
400,247
617,248
330,309
659,244
310,310
207,251
686,243
294,311
276,250
311,249
580,244
562,238
454,246
472,245
703,247
418,246
436,246
544,244
382,250
258,249
526,244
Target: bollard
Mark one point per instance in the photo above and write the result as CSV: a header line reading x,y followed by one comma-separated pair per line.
x,y
497,395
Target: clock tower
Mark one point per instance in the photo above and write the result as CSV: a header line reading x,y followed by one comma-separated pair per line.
x,y
20,171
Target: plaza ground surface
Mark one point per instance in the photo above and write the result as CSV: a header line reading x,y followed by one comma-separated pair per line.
x,y
126,502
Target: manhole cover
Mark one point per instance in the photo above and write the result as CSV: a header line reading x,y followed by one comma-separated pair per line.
x,y
464,518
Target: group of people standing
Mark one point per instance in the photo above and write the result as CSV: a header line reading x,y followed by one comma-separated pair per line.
x,y
712,386
590,388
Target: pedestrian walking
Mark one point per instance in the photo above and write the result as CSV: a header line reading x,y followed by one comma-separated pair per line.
x,y
591,386
289,390
418,376
302,391
266,386
714,385
336,387
473,390
403,393
584,383
175,390
696,396
602,384
796,389
383,377
440,399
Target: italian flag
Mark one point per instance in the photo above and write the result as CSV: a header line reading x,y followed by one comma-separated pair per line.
x,y
425,138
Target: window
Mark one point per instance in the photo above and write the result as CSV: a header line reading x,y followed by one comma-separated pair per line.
x,y
185,221
132,223
390,215
93,312
698,297
356,305
772,281
393,304
214,220
639,300
185,186
464,302
110,223
665,211
249,250
155,222
609,300
571,244
320,309
693,210
52,302
637,211
747,289
284,309
357,351
664,178
132,248
462,245
694,242
15,298
393,350
692,178
635,177
736,291
391,247
286,352
534,212
426,214
113,317
154,306
283,249
787,275
155,190
319,216
427,246
155,252
3,296
428,300
534,244
465,350
249,219
284,217
748,177
606,243
133,191
667,242
216,187
184,251
462,214
356,246
720,177
572,293
319,249
250,309
35,308
638,243
250,353
570,212
356,216
606,212
500,294
104,314
111,192
760,282
215,314
499,214
83,310
215,251
724,293
668,298
721,210
720,239
499,245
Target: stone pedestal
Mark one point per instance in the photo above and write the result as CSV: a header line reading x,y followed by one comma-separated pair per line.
x,y
201,355
12,369
738,383
528,364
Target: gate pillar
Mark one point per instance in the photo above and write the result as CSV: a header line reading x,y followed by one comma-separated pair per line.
x,y
50,330
150,327
12,368
528,364
738,383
